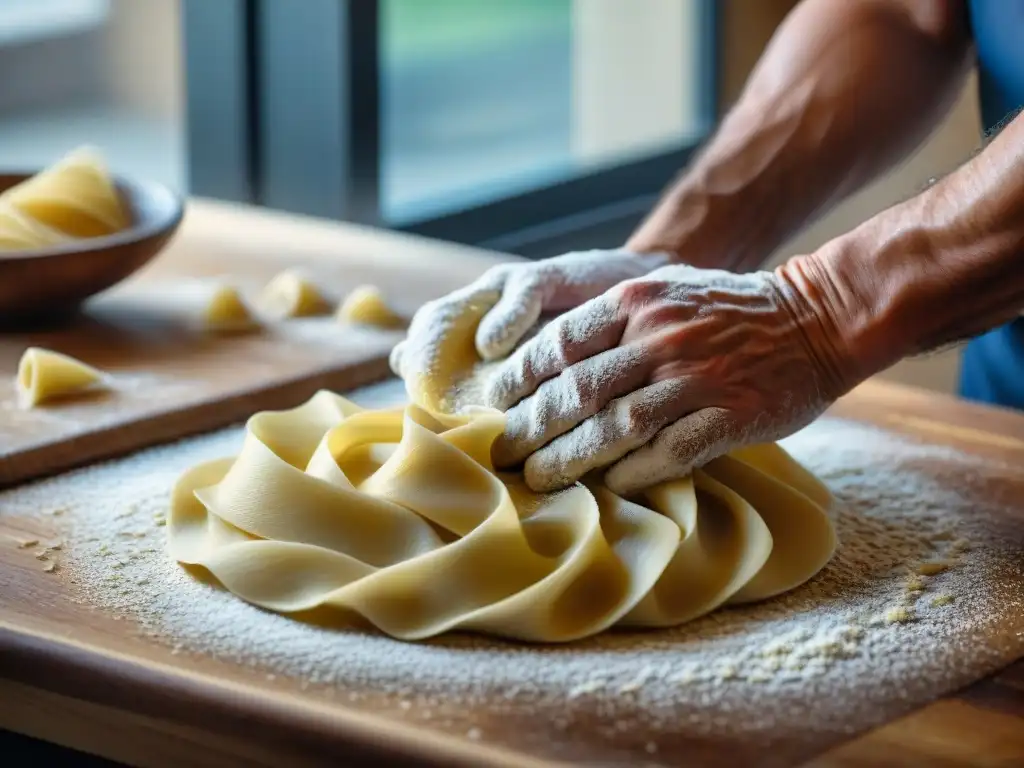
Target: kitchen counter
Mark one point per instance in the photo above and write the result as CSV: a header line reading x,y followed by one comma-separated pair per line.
x,y
105,689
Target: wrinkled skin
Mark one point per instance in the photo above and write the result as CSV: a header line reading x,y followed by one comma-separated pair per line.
x,y
523,291
658,375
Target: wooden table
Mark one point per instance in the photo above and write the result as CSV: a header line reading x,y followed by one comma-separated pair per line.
x,y
981,725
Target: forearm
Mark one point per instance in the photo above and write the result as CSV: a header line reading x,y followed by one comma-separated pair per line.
x,y
845,89
939,268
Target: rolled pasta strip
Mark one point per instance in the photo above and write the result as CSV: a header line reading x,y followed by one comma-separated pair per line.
x,y
44,375
75,196
366,306
292,294
398,515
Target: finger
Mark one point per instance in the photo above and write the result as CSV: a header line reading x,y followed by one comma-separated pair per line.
x,y
580,333
559,404
395,358
453,317
508,321
690,442
622,426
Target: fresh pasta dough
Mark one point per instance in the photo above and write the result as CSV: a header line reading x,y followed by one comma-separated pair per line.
x,y
75,197
399,516
366,306
292,294
44,375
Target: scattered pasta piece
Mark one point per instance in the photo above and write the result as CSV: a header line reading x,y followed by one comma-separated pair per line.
x,y
291,294
940,600
226,311
899,615
44,375
934,567
366,306
915,584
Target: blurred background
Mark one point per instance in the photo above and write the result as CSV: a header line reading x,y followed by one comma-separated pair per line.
x,y
530,126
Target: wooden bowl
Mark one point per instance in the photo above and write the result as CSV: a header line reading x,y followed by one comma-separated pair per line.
x,y
46,284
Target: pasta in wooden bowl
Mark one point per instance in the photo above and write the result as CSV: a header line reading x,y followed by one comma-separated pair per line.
x,y
74,229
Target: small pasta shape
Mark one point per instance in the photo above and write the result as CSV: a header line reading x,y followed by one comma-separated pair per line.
x,y
292,294
227,311
44,375
366,306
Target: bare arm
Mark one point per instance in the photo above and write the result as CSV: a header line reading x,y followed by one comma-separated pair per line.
x,y
666,372
939,268
845,90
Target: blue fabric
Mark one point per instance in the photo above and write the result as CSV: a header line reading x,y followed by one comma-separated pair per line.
x,y
993,364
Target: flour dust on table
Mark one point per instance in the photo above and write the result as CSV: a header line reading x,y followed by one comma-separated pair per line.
x,y
923,595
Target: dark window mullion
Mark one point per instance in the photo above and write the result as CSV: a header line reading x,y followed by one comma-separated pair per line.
x,y
220,122
318,107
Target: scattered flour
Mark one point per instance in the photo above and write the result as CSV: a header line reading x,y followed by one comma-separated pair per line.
x,y
876,632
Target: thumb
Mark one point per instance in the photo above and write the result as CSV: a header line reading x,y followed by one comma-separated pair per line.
x,y
516,312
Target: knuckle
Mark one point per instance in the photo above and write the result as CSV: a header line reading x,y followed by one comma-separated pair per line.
x,y
552,346
636,293
634,416
578,385
496,274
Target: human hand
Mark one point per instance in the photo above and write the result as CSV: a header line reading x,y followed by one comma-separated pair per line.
x,y
664,373
515,295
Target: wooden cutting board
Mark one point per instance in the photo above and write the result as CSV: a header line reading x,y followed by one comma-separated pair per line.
x,y
173,378
107,688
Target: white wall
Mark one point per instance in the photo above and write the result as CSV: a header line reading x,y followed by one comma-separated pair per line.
x,y
632,89
142,66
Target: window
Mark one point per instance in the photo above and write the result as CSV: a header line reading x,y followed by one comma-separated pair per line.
x,y
516,124
26,21
101,72
486,99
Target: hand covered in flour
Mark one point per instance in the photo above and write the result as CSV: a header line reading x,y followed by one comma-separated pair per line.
x,y
515,296
664,373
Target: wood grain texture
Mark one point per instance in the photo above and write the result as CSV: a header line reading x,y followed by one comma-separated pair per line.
x,y
106,688
172,377
983,724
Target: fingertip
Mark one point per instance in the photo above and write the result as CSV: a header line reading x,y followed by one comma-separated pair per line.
x,y
633,474
395,358
504,326
502,453
691,442
545,476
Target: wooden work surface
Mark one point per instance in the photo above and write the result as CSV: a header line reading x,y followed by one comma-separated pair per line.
x,y
983,724
173,378
77,675
83,678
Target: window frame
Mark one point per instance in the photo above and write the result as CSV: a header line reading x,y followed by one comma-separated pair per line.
x,y
245,59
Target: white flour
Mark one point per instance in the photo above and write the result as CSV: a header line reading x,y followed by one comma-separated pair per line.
x,y
873,634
